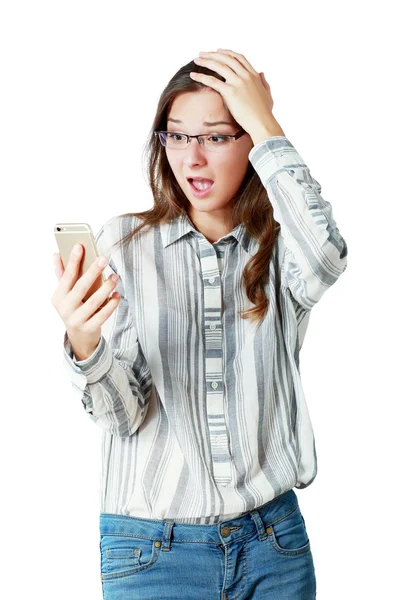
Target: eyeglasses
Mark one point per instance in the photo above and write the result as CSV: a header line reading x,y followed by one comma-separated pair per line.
x,y
209,141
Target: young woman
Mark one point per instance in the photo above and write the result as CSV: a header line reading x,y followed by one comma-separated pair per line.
x,y
192,367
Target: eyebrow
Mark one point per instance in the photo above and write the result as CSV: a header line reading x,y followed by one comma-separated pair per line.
x,y
206,123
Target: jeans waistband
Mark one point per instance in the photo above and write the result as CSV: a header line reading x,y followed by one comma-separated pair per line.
x,y
166,531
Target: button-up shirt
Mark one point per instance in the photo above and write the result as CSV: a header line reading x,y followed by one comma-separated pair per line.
x,y
203,414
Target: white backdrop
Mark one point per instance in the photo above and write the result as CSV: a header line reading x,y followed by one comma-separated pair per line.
x,y
80,81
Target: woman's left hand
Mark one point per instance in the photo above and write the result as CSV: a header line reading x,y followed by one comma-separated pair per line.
x,y
246,93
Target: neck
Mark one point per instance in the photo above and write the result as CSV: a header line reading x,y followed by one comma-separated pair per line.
x,y
211,225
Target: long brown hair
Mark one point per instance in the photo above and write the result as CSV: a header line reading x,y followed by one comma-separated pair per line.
x,y
251,205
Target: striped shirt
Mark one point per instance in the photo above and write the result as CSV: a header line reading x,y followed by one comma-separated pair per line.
x,y
203,414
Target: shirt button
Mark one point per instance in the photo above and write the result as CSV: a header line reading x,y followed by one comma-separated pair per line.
x,y
212,326
214,385
211,279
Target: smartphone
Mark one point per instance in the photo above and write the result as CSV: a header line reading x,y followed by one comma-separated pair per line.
x,y
69,234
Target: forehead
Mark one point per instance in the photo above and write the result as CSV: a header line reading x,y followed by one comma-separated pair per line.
x,y
199,109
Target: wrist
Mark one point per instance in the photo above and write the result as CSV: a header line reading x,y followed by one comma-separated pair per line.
x,y
265,131
80,351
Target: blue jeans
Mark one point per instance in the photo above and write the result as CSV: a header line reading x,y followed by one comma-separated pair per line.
x,y
263,554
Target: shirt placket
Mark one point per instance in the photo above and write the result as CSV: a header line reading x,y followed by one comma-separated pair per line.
x,y
221,457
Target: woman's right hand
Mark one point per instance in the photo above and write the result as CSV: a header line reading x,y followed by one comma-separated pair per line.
x,y
82,322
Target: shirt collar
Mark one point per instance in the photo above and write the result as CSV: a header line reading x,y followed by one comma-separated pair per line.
x,y
182,225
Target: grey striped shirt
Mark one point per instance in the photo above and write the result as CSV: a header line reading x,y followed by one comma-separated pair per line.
x,y
203,414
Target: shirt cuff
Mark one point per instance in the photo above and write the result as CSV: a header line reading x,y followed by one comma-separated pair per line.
x,y
95,366
273,155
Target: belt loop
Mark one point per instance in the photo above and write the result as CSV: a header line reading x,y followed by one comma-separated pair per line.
x,y
259,524
166,543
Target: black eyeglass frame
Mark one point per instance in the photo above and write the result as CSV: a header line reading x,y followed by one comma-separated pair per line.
x,y
188,137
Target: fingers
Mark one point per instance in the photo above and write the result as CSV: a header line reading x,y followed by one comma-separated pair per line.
x,y
72,289
67,276
77,287
85,282
98,319
85,311
240,58
59,271
84,318
264,81
267,87
58,266
70,273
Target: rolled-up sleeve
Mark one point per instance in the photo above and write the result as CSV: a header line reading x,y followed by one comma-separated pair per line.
x,y
114,383
315,251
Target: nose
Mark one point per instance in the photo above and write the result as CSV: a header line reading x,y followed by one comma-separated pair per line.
x,y
194,153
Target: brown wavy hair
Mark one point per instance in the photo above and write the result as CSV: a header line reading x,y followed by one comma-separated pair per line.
x,y
251,205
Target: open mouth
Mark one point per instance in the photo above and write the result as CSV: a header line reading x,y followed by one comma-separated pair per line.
x,y
200,184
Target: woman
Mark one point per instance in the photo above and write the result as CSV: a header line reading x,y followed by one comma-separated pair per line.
x,y
192,368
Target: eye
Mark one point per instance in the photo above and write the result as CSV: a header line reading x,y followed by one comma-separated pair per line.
x,y
222,138
174,136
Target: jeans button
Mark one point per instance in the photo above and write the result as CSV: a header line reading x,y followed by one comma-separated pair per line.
x,y
225,531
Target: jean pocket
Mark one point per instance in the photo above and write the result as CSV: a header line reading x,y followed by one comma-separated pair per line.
x,y
123,555
288,535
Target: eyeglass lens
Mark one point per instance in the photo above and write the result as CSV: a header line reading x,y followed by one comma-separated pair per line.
x,y
215,143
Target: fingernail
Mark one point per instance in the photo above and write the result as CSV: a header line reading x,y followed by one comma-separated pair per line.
x,y
77,249
102,261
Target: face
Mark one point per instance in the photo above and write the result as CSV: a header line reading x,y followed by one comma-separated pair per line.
x,y
226,169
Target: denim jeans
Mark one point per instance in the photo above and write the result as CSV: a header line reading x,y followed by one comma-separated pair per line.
x,y
263,554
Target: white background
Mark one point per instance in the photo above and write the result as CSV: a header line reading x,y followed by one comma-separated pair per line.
x,y
80,82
